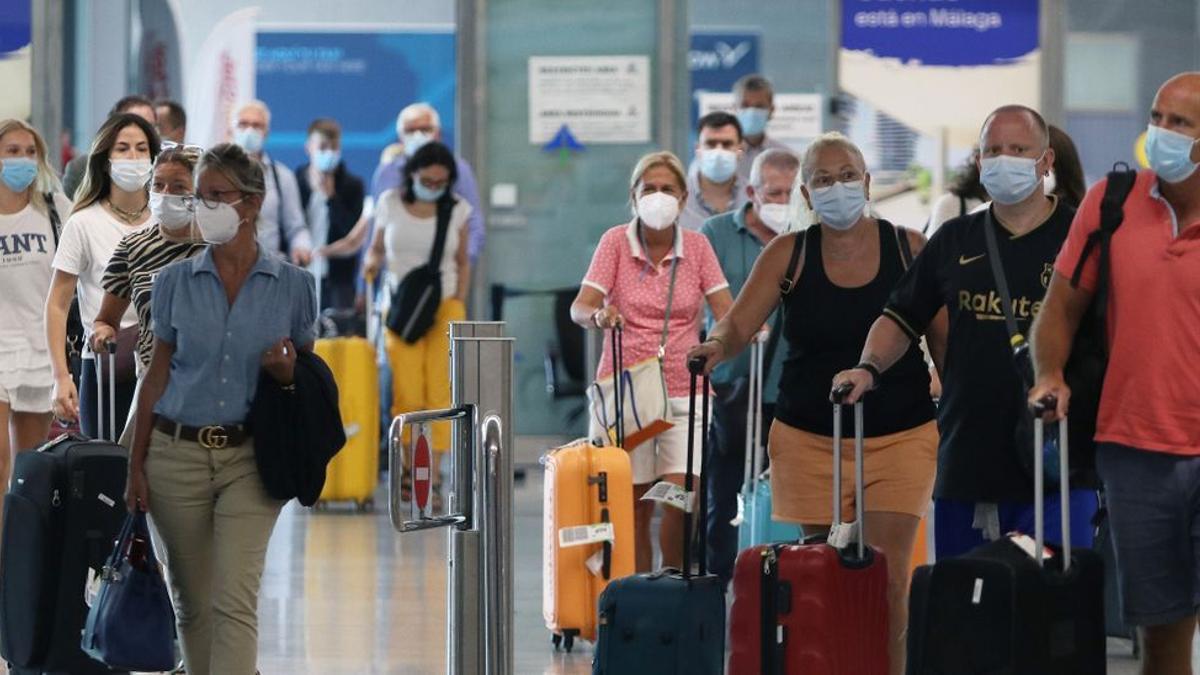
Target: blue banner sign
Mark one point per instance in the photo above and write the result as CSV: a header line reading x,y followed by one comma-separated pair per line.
x,y
942,32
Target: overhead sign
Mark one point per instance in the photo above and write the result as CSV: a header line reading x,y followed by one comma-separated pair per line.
x,y
717,60
16,58
304,73
942,32
941,65
797,118
604,99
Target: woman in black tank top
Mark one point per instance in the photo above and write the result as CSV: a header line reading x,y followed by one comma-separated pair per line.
x,y
834,279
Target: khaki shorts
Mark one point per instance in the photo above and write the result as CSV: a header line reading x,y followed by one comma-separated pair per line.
x,y
898,473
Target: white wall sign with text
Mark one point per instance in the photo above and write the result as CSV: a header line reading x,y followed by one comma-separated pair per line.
x,y
603,99
797,118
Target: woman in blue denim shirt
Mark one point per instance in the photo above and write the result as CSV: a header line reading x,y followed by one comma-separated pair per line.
x,y
219,318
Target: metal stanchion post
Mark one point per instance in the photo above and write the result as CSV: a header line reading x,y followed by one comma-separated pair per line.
x,y
480,516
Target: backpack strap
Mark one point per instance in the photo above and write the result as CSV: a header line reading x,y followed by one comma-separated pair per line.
x,y
55,219
1112,212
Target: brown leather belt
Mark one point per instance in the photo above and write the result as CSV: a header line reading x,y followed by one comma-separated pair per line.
x,y
210,437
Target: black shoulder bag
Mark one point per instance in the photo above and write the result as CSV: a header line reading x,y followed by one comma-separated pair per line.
x,y
415,300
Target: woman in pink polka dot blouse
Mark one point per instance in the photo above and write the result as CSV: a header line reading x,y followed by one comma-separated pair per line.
x,y
627,285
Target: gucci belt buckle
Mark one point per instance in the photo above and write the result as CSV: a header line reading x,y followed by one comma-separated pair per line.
x,y
212,437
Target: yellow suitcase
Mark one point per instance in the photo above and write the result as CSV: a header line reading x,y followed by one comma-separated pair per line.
x,y
585,485
354,472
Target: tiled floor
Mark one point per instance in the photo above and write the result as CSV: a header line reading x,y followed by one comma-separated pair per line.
x,y
345,595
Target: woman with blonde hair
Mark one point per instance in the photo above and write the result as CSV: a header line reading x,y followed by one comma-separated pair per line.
x,y
111,202
31,200
220,319
836,276
653,278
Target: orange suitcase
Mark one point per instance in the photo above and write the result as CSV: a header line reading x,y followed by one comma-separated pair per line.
x,y
585,486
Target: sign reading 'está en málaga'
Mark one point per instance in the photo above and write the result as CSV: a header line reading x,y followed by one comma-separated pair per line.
x,y
942,32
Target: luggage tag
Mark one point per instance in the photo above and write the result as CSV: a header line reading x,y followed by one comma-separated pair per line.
x,y
842,535
581,535
91,589
1029,546
670,494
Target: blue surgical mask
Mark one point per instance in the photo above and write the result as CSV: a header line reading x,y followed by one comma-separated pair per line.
x,y
19,173
427,194
717,164
1008,179
327,160
753,120
840,205
250,139
1170,154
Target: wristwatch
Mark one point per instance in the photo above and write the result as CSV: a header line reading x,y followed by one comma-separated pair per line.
x,y
870,368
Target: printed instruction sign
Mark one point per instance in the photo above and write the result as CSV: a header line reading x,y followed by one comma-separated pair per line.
x,y
797,118
602,99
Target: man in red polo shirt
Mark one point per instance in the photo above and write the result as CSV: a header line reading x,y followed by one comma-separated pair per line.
x,y
1148,431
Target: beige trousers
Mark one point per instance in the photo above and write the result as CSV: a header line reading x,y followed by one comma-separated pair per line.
x,y
214,518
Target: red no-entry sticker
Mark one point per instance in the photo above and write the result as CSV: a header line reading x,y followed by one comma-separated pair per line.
x,y
422,469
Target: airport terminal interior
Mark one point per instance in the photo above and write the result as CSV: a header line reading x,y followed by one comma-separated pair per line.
x,y
575,184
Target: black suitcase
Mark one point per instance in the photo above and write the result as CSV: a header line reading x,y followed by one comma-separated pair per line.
x,y
671,621
999,611
62,512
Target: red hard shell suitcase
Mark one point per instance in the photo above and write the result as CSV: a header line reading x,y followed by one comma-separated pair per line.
x,y
812,609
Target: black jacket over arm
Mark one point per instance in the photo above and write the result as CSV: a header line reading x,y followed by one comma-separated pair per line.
x,y
345,208
297,432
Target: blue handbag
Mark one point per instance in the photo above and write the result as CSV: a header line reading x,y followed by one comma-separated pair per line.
x,y
131,625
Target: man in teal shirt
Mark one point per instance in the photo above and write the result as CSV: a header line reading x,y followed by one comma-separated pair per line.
x,y
738,237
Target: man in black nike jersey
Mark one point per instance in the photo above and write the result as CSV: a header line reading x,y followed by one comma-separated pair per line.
x,y
982,491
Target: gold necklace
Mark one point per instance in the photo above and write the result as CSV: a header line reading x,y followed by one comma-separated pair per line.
x,y
128,216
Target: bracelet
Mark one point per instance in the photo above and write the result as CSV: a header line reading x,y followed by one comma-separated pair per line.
x,y
870,368
721,341
596,314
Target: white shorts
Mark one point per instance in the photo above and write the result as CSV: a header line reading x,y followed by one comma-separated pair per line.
x,y
666,453
24,398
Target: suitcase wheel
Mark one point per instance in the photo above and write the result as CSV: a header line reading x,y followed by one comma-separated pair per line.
x,y
365,506
565,641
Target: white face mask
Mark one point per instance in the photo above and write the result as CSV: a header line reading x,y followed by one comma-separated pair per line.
x,y
774,216
658,210
413,141
218,224
130,175
173,212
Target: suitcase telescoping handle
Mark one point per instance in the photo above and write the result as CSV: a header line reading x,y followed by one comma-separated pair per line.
x,y
839,396
1039,478
111,370
618,359
696,367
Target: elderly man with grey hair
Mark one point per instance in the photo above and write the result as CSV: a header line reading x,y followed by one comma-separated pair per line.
x,y
754,105
738,237
416,125
282,227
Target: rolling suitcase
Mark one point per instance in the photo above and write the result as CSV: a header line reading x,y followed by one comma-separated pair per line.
x,y
811,608
587,530
757,525
1003,609
354,471
63,510
670,621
